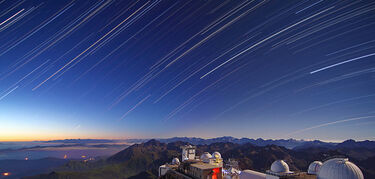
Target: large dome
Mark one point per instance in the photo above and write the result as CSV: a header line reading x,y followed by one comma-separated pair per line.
x,y
314,167
339,168
205,156
279,166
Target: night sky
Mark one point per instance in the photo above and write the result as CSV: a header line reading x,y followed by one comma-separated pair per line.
x,y
204,68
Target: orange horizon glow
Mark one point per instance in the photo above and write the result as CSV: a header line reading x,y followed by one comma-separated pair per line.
x,y
49,139
32,138
28,134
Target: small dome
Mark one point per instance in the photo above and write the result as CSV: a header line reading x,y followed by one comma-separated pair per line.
x,y
314,167
175,161
279,166
205,156
339,168
216,155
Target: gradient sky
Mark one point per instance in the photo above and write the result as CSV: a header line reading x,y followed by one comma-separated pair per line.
x,y
204,68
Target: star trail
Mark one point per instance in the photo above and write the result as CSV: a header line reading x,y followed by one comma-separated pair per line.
x,y
256,68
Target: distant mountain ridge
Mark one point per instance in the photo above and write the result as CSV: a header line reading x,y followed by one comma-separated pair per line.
x,y
357,144
348,144
287,143
142,160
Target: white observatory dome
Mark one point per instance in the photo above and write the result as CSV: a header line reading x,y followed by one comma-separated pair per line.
x,y
250,174
175,161
205,156
279,166
339,168
216,155
314,167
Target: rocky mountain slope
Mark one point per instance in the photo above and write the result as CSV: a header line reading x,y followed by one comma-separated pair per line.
x,y
143,160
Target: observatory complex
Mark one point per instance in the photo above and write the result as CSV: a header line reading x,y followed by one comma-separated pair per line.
x,y
211,166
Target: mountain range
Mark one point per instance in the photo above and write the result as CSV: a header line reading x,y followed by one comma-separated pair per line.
x,y
287,143
142,160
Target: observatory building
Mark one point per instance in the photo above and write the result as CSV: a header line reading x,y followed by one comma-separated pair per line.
x,y
279,167
339,168
211,166
188,152
206,166
314,167
252,174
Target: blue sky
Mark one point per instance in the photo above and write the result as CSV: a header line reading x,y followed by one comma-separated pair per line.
x,y
141,69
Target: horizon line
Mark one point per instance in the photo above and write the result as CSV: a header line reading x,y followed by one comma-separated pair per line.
x,y
205,138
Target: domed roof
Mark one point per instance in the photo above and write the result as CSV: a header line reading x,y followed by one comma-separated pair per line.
x,y
175,161
339,168
216,155
314,167
250,174
206,155
279,166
